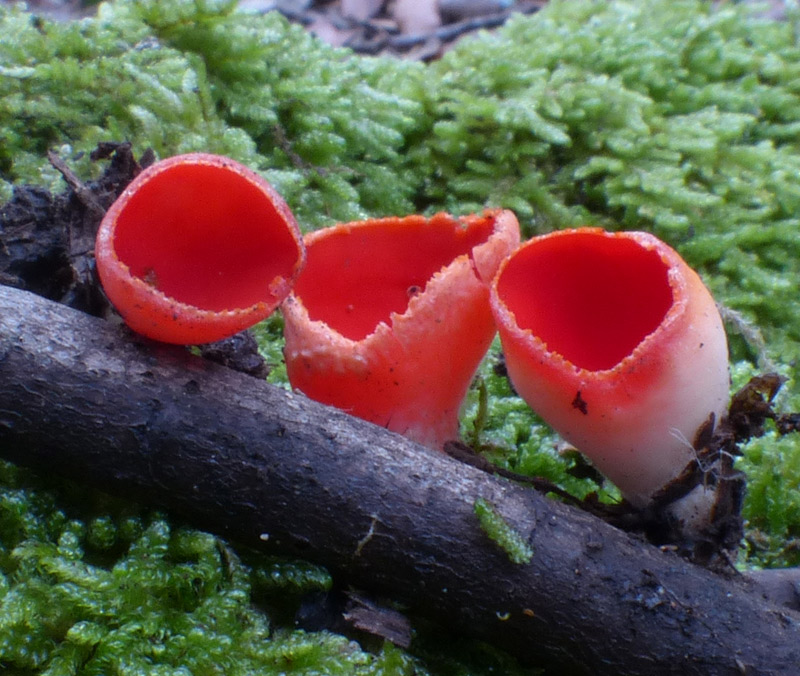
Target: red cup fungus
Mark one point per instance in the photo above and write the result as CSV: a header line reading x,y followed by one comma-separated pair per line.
x,y
391,317
197,248
619,346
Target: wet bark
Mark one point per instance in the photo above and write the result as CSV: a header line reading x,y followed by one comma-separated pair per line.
x,y
83,398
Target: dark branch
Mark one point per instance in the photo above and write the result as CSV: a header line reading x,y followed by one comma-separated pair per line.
x,y
85,399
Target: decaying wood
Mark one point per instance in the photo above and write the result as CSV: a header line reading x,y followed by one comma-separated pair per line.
x,y
47,241
83,398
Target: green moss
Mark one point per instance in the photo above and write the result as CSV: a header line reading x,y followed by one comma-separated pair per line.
x,y
501,533
269,335
772,509
94,586
75,84
679,117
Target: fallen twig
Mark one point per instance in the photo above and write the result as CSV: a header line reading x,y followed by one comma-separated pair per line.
x,y
273,469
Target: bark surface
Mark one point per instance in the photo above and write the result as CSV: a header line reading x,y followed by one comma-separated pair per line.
x,y
84,398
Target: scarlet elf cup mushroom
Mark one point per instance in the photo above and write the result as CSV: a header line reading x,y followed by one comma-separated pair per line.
x,y
198,247
619,346
391,317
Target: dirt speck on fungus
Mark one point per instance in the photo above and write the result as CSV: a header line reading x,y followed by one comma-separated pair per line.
x,y
579,403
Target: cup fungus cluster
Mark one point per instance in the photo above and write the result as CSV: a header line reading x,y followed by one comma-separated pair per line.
x,y
610,337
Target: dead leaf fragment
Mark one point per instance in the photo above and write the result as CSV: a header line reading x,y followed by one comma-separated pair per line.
x,y
327,31
361,10
417,16
366,615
